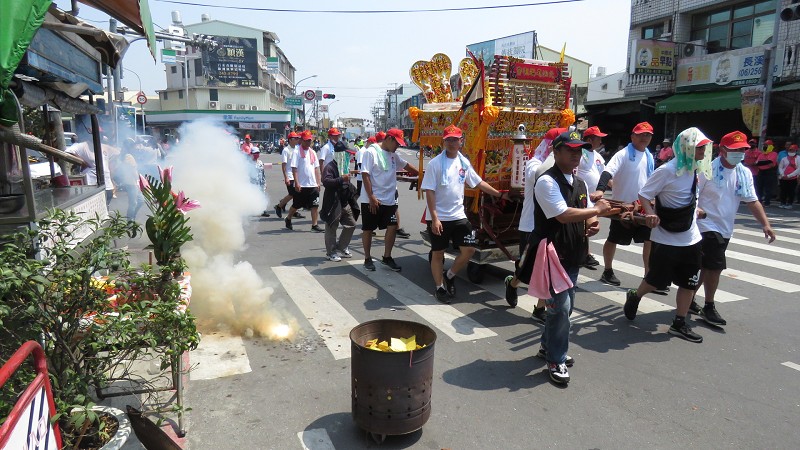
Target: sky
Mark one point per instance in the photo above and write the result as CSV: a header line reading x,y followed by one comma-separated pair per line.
x,y
358,57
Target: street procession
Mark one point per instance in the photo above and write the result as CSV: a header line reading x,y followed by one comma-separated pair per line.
x,y
406,224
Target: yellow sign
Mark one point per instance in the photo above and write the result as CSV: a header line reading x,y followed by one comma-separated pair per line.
x,y
652,57
753,108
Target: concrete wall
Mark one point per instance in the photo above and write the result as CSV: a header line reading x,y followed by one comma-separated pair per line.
x,y
607,87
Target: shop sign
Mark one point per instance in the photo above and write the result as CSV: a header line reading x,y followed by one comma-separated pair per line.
x,y
651,57
735,68
255,125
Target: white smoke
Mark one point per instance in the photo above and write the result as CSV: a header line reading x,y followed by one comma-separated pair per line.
x,y
210,168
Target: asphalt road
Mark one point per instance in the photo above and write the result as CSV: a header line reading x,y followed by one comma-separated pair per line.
x,y
633,385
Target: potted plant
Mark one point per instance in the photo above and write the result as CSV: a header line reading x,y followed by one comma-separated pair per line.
x,y
91,328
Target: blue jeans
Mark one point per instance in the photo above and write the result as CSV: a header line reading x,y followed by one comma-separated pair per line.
x,y
555,339
135,200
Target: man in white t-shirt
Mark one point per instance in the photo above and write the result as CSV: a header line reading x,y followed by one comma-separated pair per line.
x,y
288,177
565,219
718,200
85,152
359,158
589,170
307,180
326,152
629,168
676,254
444,181
379,168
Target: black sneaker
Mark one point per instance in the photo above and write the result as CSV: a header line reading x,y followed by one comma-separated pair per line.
x,y
539,314
511,292
403,233
664,291
449,284
570,361
710,315
558,373
608,277
591,263
685,332
316,228
388,261
694,308
631,304
264,214
288,223
279,211
369,265
441,295
299,216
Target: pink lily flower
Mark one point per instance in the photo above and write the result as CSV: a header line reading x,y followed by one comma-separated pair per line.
x,y
143,183
166,174
183,204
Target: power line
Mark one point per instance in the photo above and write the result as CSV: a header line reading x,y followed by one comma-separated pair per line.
x,y
474,8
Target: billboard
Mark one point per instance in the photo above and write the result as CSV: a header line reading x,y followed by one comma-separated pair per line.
x,y
233,63
735,68
651,57
521,45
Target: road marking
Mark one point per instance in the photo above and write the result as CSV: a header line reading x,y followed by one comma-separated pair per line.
x,y
445,318
646,305
315,439
766,247
327,316
791,365
779,240
219,355
785,230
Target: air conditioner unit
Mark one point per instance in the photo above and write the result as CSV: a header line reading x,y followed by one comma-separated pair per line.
x,y
230,106
694,48
213,105
254,108
244,107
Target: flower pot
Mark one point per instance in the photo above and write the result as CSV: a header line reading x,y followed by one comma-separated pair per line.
x,y
123,426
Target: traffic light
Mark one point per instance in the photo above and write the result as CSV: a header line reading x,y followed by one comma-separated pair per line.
x,y
328,96
791,13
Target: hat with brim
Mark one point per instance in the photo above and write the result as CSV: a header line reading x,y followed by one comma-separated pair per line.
x,y
306,135
642,128
452,131
736,140
593,131
571,139
397,134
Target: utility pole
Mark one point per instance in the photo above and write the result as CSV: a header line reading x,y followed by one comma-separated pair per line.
x,y
766,69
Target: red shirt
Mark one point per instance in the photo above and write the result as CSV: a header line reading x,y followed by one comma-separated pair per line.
x,y
666,154
246,146
750,158
772,157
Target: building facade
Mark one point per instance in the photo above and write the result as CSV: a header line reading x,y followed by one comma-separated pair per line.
x,y
688,62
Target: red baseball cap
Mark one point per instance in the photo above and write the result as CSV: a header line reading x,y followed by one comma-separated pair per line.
x,y
793,147
372,140
643,127
247,136
334,132
380,136
451,131
734,141
306,135
293,135
593,131
397,134
768,142
553,132
705,141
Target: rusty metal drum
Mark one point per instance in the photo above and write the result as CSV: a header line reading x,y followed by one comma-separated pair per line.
x,y
391,392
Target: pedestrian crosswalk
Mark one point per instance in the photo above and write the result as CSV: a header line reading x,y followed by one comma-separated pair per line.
x,y
750,277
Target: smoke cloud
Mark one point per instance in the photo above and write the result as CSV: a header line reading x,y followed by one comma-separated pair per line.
x,y
210,168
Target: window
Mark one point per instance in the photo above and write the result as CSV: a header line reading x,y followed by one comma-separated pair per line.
x,y
619,85
604,86
213,95
653,31
174,69
166,97
180,94
740,26
198,67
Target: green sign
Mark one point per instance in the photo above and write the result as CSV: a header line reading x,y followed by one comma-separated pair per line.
x,y
168,56
294,101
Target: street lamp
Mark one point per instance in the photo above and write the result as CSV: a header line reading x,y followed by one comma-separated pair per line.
x,y
294,91
140,105
336,117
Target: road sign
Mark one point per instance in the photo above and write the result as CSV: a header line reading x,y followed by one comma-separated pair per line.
x,y
294,101
309,95
323,108
168,56
273,64
141,98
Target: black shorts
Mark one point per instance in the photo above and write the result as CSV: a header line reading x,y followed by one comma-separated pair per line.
x,y
524,237
671,264
714,246
622,234
526,260
386,217
308,197
459,231
290,188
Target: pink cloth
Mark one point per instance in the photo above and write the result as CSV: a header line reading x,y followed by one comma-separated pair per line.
x,y
547,272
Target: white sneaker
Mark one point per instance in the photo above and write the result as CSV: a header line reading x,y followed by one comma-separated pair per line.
x,y
334,257
345,253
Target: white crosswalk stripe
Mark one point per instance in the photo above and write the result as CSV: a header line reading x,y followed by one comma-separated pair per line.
x,y
445,318
781,239
329,318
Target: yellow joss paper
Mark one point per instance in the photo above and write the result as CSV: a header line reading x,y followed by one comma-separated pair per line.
x,y
397,345
383,346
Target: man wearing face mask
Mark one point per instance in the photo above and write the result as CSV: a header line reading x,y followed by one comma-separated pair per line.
x,y
767,173
788,172
717,203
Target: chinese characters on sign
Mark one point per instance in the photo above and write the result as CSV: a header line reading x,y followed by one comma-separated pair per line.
x,y
233,63
652,57
735,68
534,72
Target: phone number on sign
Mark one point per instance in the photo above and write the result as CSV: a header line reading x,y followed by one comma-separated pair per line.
x,y
752,71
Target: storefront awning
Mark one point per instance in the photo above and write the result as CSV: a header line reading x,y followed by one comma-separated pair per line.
x,y
787,87
701,101
133,13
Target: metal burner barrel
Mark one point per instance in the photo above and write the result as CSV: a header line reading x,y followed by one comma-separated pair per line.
x,y
391,392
